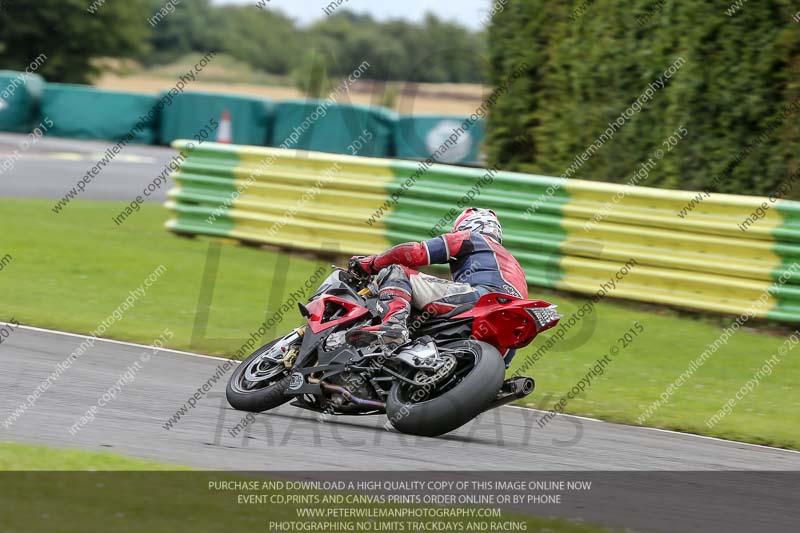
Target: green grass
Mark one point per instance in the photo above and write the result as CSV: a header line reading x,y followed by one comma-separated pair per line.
x,y
26,457
640,373
124,494
106,492
70,271
223,68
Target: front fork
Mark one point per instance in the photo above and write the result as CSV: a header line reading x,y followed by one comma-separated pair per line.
x,y
284,351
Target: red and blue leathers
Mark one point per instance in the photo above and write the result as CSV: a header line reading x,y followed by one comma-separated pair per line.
x,y
478,265
475,260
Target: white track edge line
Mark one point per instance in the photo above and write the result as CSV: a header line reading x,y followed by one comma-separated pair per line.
x,y
113,341
169,350
695,435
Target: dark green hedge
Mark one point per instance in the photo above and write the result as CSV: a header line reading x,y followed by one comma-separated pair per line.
x,y
590,60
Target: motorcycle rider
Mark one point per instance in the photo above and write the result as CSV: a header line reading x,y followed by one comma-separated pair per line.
x,y
479,264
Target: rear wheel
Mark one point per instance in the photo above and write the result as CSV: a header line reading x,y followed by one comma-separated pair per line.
x,y
259,382
473,384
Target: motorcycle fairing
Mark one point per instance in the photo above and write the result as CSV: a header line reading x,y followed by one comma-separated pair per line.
x,y
502,320
317,320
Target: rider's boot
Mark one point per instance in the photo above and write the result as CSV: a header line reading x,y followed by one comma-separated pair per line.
x,y
395,306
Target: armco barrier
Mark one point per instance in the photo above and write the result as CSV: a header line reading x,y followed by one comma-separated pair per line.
x,y
309,199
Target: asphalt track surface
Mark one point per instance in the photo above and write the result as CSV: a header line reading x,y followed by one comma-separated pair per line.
x,y
289,439
133,424
51,166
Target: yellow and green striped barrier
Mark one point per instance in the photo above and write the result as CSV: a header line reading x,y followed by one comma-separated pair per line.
x,y
359,205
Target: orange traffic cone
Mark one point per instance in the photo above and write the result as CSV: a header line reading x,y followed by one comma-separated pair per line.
x,y
225,132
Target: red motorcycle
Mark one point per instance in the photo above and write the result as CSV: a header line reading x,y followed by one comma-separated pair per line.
x,y
450,372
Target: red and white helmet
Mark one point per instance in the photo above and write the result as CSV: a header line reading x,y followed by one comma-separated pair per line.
x,y
482,221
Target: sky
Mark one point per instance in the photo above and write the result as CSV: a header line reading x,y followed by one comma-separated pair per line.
x,y
468,13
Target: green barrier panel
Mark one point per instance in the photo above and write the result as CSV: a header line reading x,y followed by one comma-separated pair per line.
x,y
571,235
20,94
86,113
319,125
455,138
191,112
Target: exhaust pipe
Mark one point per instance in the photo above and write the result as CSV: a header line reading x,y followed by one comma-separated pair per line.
x,y
523,386
512,389
351,397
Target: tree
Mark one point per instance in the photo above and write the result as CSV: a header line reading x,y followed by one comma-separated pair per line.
x,y
70,36
190,28
267,40
433,51
585,65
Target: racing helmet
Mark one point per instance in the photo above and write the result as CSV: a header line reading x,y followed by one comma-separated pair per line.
x,y
482,221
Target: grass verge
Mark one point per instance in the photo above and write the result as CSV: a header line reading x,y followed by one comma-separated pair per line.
x,y
46,489
72,271
28,457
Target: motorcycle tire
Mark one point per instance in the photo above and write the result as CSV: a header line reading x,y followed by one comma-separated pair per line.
x,y
256,400
456,407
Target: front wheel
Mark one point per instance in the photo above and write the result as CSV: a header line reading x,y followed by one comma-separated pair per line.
x,y
477,378
259,382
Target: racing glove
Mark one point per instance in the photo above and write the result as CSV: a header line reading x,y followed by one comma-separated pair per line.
x,y
367,263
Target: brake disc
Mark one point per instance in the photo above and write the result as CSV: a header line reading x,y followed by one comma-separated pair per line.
x,y
427,378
